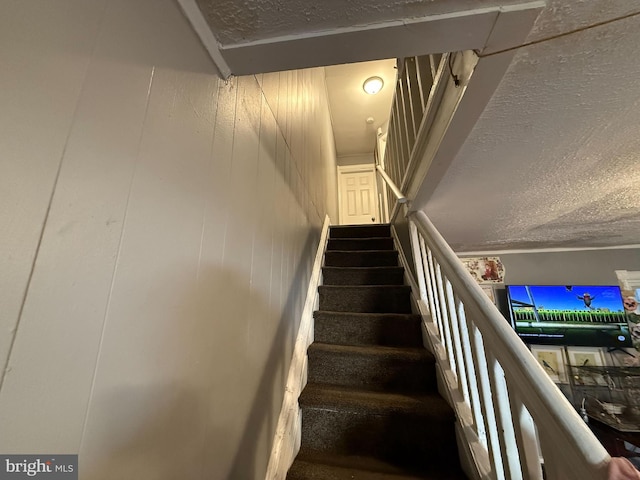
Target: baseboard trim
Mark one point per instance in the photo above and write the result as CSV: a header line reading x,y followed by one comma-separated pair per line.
x,y
286,441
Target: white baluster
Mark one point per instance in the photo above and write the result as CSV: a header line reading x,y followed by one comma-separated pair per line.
x,y
429,283
484,388
508,445
446,318
474,399
526,437
455,330
419,263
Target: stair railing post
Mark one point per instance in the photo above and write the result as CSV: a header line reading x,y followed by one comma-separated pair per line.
x,y
484,388
463,378
431,264
526,437
467,351
429,279
417,260
461,371
446,317
508,446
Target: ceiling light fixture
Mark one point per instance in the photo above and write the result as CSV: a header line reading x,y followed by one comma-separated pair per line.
x,y
373,85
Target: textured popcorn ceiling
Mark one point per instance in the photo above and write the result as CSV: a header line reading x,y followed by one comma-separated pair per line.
x,y
555,159
239,21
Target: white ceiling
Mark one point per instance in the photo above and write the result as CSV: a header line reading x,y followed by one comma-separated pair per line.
x,y
553,160
351,106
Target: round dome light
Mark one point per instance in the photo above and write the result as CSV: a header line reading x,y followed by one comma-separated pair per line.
x,y
373,85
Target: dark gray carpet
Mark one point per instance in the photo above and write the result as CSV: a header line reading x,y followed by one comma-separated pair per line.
x,y
371,409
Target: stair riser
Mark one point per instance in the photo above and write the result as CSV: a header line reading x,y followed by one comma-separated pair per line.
x,y
360,244
362,276
406,440
361,259
367,331
372,372
365,299
360,231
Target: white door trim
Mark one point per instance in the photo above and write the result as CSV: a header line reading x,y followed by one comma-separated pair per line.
x,y
363,167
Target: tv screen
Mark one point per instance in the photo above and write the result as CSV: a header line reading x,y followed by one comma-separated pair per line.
x,y
580,315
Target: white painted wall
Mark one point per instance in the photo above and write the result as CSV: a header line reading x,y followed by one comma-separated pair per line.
x,y
159,228
569,267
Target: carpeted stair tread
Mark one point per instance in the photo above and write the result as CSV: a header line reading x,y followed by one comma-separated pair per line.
x,y
365,298
355,467
372,243
406,430
352,328
361,258
390,275
370,408
360,231
333,397
372,368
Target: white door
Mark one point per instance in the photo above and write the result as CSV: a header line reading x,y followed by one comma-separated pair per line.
x,y
358,198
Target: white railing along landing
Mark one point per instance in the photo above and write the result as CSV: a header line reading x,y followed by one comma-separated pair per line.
x,y
514,419
417,95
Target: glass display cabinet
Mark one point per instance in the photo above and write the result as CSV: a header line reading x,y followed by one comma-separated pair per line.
x,y
610,395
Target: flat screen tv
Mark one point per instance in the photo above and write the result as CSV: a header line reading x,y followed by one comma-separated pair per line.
x,y
580,315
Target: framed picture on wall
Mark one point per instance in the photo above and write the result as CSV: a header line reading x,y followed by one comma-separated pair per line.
x,y
488,290
585,356
551,359
485,270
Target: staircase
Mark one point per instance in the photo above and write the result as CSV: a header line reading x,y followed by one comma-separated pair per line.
x,y
370,409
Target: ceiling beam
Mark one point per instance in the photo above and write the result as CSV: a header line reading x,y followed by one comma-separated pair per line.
x,y
401,38
194,15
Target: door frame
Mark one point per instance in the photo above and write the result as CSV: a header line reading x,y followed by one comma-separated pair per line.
x,y
362,167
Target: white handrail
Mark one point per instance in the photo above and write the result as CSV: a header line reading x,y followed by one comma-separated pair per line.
x,y
394,188
517,399
513,421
